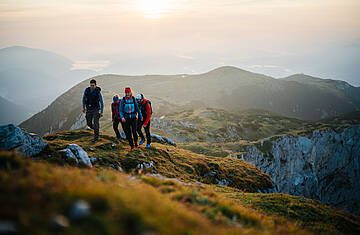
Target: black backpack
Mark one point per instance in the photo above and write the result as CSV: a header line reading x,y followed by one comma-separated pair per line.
x,y
89,100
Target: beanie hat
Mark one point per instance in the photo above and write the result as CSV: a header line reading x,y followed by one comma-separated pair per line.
x,y
128,90
116,98
139,97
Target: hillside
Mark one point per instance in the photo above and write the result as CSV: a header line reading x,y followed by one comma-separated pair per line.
x,y
226,88
117,195
12,113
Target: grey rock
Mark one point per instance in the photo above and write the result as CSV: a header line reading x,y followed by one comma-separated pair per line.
x,y
60,222
323,165
163,139
94,159
122,135
13,138
222,182
79,154
119,168
80,209
158,137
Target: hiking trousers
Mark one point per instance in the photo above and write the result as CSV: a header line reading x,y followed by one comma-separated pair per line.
x,y
147,131
130,131
92,120
115,127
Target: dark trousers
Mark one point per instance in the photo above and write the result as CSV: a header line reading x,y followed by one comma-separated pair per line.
x,y
115,127
92,120
147,131
130,131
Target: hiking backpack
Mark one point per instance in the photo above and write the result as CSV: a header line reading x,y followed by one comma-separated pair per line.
x,y
129,105
90,100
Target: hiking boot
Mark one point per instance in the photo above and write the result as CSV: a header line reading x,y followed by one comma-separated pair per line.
x,y
142,141
147,146
132,149
88,128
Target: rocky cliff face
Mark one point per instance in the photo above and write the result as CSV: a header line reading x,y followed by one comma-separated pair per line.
x,y
13,138
322,165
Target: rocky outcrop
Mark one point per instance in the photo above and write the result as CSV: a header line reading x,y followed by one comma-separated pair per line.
x,y
76,152
322,165
13,138
162,139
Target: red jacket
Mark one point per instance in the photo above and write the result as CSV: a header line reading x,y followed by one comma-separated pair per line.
x,y
148,111
115,111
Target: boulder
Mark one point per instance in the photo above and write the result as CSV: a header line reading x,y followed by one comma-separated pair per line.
x,y
13,138
76,152
163,139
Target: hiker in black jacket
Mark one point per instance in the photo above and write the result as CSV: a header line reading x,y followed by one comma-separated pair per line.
x,y
93,106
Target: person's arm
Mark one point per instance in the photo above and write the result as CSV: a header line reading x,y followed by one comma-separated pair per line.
x,y
138,109
101,103
121,108
84,100
112,111
148,111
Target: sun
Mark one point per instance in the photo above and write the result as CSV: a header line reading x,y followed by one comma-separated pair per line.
x,y
154,8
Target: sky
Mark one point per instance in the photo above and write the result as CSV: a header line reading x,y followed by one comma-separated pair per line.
x,y
274,37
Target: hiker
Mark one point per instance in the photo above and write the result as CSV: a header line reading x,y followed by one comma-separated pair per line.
x,y
93,106
146,111
116,116
128,110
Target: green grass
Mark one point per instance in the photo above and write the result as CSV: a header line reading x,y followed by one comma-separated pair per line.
x,y
34,193
169,161
148,204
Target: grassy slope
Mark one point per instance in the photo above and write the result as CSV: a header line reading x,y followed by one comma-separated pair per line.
x,y
167,160
126,205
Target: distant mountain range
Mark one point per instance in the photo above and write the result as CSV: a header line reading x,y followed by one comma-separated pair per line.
x,y
34,78
12,113
228,88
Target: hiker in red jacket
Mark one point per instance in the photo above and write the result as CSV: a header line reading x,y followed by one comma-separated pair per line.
x,y
146,110
116,116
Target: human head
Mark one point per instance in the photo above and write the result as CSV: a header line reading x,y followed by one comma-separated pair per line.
x,y
139,98
128,92
92,84
116,99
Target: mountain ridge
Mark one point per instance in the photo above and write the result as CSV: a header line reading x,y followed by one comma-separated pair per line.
x,y
238,89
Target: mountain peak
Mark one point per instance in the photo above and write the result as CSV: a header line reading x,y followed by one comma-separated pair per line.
x,y
227,69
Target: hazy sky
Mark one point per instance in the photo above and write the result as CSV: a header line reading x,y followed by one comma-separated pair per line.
x,y
274,37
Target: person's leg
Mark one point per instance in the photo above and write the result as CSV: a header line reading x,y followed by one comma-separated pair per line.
x,y
96,116
127,129
147,132
115,127
133,130
139,126
89,117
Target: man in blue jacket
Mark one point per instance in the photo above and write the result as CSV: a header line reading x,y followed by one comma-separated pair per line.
x,y
93,106
128,110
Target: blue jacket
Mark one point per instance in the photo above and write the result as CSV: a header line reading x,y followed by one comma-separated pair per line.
x,y
93,104
124,114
